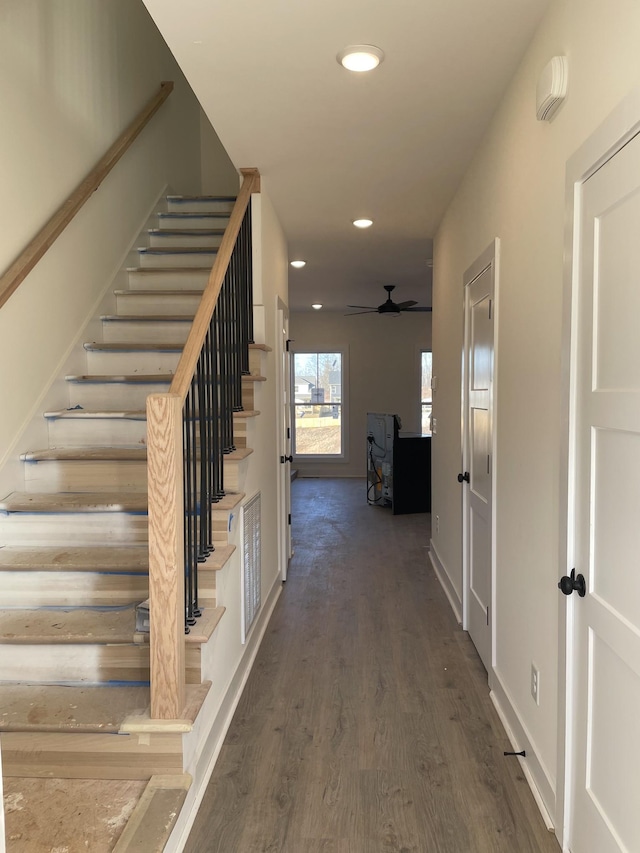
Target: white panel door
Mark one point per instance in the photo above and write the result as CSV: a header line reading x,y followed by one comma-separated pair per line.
x,y
605,772
478,421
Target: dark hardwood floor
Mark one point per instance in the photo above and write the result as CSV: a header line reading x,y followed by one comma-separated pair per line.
x,y
366,724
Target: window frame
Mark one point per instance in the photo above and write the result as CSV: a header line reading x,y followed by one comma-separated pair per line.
x,y
344,400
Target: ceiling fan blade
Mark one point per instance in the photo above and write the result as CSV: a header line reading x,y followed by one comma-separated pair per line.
x,y
408,304
354,313
421,308
368,307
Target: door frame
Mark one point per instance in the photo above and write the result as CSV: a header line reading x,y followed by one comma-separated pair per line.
x,y
622,125
283,421
490,257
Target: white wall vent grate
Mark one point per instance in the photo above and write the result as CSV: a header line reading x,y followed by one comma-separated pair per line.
x,y
251,562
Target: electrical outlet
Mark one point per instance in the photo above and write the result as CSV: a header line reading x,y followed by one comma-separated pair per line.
x,y
437,524
535,683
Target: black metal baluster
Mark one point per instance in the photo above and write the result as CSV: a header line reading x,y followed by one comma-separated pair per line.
x,y
188,510
216,415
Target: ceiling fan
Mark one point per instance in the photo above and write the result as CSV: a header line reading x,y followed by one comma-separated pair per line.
x,y
389,307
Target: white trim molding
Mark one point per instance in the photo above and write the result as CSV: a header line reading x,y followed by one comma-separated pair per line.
x,y
445,582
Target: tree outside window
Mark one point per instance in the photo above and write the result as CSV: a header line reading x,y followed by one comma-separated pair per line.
x,y
317,404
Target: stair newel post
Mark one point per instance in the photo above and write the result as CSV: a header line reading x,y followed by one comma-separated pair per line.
x,y
166,555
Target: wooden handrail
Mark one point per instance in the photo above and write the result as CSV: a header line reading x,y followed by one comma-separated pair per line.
x,y
191,352
44,239
165,455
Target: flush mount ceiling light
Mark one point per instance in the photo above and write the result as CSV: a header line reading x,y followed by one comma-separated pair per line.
x,y
317,305
360,57
363,223
298,264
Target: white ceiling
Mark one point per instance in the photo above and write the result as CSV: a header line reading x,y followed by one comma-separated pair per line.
x,y
331,145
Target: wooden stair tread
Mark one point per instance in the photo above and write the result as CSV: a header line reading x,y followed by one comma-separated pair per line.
x,y
85,626
76,414
107,454
189,198
178,250
105,346
206,624
105,708
56,708
132,414
132,378
147,318
142,378
110,454
191,232
229,501
123,558
63,502
166,271
219,558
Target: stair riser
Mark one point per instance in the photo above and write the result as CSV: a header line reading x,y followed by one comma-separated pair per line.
x,y
99,396
176,221
125,363
91,756
142,304
63,663
97,432
89,528
192,241
149,260
61,589
189,279
80,476
108,476
145,331
196,205
255,362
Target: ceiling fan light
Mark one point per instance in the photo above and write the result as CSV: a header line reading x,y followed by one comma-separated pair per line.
x,y
360,57
363,223
317,305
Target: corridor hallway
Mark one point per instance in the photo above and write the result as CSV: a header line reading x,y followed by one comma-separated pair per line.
x,y
366,724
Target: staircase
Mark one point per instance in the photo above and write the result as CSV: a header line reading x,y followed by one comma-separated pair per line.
x,y
74,672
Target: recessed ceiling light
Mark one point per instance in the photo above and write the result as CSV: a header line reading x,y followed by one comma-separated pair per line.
x,y
360,57
363,223
298,264
317,305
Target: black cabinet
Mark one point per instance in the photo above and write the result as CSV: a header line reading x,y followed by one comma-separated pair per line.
x,y
411,474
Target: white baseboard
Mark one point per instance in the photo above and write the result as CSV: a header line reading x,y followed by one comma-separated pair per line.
x,y
445,582
533,769
220,726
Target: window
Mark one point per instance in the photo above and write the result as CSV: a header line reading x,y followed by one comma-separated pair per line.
x,y
318,424
425,392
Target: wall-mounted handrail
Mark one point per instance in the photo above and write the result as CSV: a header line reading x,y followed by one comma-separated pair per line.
x,y
44,239
181,424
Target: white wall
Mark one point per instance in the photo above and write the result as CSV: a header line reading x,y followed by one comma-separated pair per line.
x,y
515,190
74,74
383,373
219,175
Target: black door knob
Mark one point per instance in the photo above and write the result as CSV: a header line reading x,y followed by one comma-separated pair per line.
x,y
464,478
571,583
284,459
